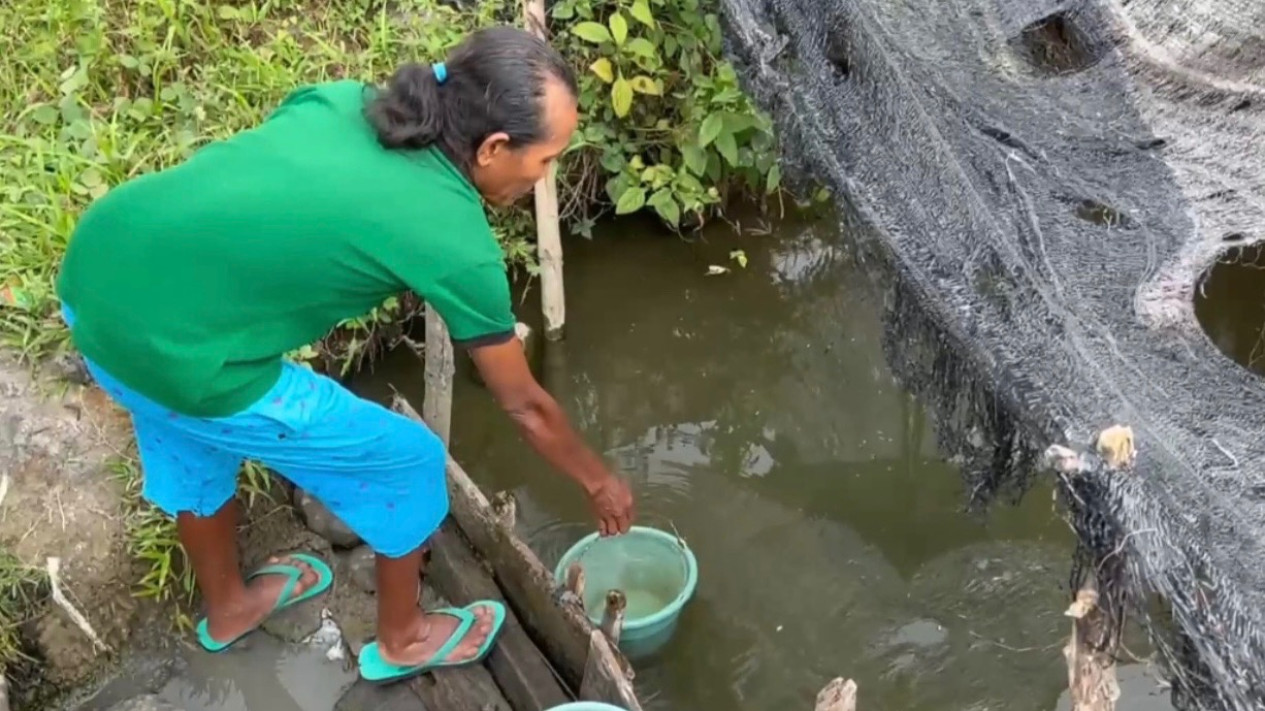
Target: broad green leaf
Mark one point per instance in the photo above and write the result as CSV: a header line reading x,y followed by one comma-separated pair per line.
x,y
728,147
737,123
621,97
773,180
592,32
603,69
16,297
688,184
641,47
613,160
45,115
616,186
695,159
228,12
667,207
711,128
641,13
644,85
633,199
619,28
563,11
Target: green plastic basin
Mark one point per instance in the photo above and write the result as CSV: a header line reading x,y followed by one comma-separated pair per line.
x,y
655,570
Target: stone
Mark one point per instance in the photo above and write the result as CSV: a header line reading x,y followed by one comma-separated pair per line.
x,y
361,566
71,368
149,702
354,610
274,532
323,523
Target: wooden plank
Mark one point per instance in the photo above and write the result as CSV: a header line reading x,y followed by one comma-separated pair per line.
x,y
461,689
364,696
603,675
556,623
516,663
439,368
548,232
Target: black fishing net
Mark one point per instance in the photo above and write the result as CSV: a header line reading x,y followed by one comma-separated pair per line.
x,y
1039,186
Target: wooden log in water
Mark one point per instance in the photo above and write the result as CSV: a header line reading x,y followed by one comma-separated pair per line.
x,y
603,675
556,624
1090,655
517,664
612,624
839,695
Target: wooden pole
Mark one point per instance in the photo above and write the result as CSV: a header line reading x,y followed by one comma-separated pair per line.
x,y
548,233
612,624
439,369
1091,666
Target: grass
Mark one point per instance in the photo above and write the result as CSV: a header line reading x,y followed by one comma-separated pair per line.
x,y
21,587
152,536
94,92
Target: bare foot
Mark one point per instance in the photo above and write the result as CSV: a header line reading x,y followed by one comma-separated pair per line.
x,y
432,631
261,597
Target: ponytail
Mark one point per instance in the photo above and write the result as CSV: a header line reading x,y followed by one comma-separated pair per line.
x,y
410,112
492,82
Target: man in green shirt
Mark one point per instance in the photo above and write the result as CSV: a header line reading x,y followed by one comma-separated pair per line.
x,y
184,288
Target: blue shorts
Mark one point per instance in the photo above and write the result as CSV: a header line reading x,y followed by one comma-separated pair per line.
x,y
381,473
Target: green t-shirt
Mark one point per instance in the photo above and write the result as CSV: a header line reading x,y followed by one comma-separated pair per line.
x,y
190,284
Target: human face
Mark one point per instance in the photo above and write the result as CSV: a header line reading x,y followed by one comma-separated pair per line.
x,y
504,174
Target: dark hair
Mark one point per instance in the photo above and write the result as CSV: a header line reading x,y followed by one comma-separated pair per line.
x,y
495,81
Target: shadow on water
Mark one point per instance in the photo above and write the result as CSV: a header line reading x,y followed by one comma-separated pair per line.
x,y
754,413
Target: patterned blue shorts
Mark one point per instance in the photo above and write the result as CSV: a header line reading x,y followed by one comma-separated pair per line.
x,y
380,472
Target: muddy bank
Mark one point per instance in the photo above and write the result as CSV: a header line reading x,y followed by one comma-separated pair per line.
x,y
62,448
58,439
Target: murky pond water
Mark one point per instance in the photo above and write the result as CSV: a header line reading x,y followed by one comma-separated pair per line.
x,y
754,413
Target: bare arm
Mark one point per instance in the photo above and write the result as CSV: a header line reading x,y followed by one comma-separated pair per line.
x,y
546,427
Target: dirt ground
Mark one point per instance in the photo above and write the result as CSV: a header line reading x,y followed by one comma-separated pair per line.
x,y
57,440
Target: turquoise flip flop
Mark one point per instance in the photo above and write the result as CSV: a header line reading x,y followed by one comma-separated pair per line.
x,y
498,621
325,578
375,670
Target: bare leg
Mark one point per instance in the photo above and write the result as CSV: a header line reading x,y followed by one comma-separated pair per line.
x,y
406,635
233,607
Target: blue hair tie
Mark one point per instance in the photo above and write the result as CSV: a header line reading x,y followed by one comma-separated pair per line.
x,y
441,72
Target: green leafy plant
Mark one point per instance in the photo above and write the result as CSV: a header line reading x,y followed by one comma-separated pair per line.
x,y
667,127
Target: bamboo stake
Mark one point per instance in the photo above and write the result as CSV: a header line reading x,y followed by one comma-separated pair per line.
x,y
548,233
612,624
439,369
1091,669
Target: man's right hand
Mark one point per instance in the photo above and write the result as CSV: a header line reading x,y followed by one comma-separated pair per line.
x,y
612,503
